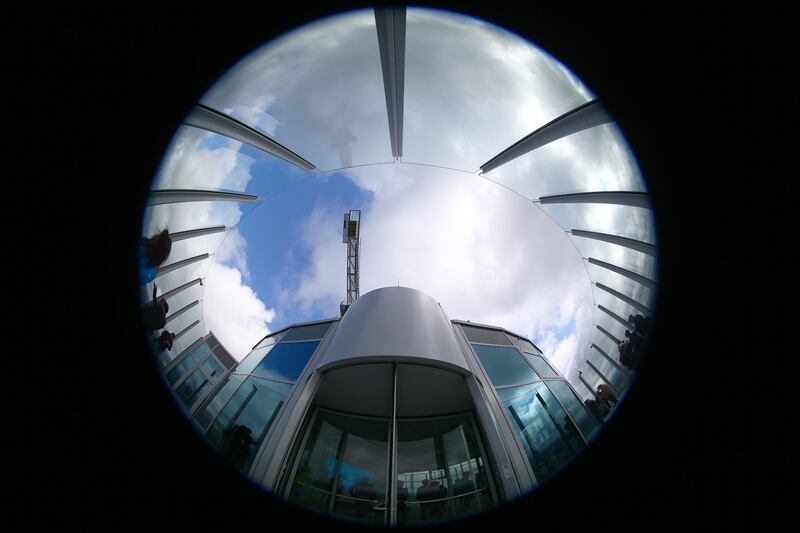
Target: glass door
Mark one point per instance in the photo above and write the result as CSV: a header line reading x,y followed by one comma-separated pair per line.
x,y
441,470
343,468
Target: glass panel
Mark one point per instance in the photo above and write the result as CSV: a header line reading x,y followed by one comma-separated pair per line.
x,y
342,470
240,428
482,87
316,331
212,366
318,91
205,415
272,339
542,367
440,472
192,388
549,437
505,366
524,344
486,336
635,223
286,361
253,358
186,363
575,407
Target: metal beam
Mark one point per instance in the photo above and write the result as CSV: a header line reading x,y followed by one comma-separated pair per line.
x,y
181,311
616,317
605,380
176,196
634,199
609,335
583,117
215,121
183,287
630,301
183,235
647,282
184,330
613,362
166,269
391,25
639,246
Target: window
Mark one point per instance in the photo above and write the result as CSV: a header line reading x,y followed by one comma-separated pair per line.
x,y
485,336
575,407
304,333
242,425
505,366
542,367
286,361
214,406
192,387
547,434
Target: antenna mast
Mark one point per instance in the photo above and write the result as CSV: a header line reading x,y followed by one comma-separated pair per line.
x,y
350,235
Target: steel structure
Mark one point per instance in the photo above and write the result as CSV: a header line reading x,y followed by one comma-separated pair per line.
x,y
351,230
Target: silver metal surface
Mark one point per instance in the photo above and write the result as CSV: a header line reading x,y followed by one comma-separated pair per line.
x,y
611,360
176,196
585,116
630,301
631,198
604,378
608,334
183,235
647,282
166,269
612,314
183,287
391,25
633,244
181,311
215,121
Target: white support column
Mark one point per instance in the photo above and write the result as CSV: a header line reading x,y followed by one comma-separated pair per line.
x,y
616,317
630,301
183,287
647,282
181,311
166,269
183,235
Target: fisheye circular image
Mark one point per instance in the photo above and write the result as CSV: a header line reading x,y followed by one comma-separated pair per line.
x,y
399,267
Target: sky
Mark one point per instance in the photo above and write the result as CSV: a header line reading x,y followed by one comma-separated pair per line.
x,y
479,244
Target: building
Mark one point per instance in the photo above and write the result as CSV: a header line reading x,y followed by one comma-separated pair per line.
x,y
392,415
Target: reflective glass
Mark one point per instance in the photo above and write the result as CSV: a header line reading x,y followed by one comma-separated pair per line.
x,y
205,415
213,368
524,345
192,387
187,362
318,91
316,331
272,339
485,336
542,367
505,366
440,471
253,358
626,221
549,437
481,86
286,361
242,425
575,406
342,470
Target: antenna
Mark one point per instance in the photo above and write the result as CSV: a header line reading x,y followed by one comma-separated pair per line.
x,y
351,230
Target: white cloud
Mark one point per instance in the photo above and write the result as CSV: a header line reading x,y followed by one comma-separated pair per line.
x,y
485,253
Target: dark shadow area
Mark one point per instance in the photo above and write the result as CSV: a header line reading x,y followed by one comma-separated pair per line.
x,y
104,441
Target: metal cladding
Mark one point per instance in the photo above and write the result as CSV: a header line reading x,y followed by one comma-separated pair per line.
x,y
395,324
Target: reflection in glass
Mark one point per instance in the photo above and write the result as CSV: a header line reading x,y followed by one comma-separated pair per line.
x,y
286,361
205,415
441,472
303,333
547,434
187,362
542,367
241,426
505,366
192,387
342,470
485,336
253,358
575,406
213,368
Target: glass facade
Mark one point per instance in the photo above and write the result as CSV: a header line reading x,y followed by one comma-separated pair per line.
x,y
505,366
236,417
